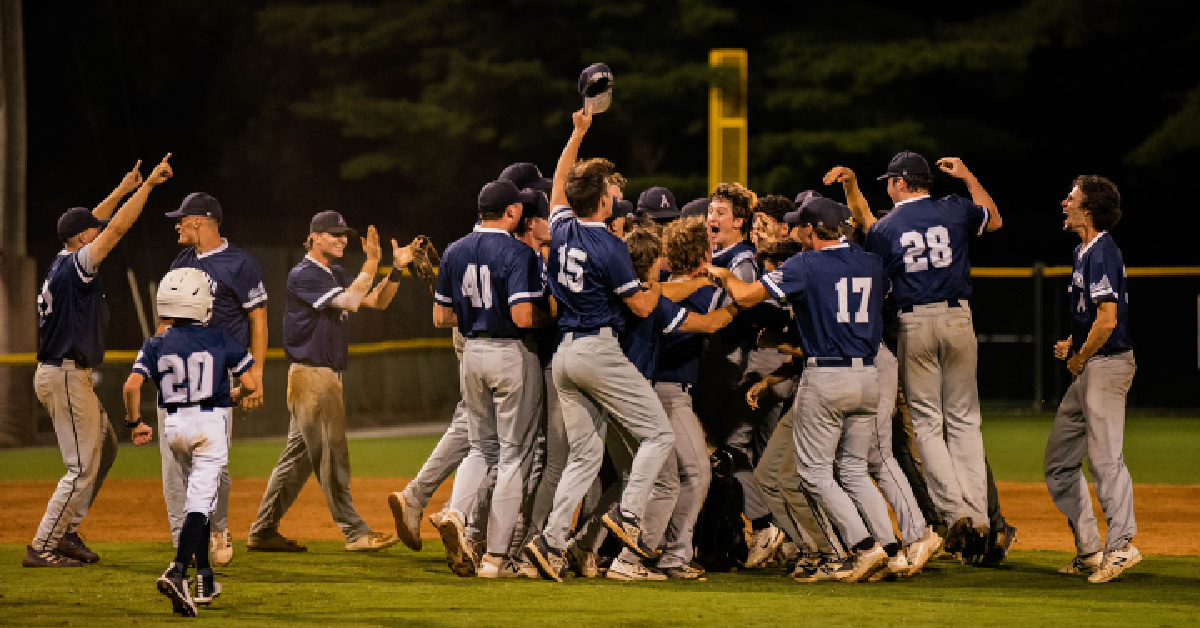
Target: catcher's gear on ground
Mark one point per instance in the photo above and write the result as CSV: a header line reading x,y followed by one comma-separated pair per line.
x,y
425,261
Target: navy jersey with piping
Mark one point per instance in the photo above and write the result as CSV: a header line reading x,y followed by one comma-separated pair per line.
x,y
1098,276
236,283
924,244
314,330
590,273
72,313
191,365
836,296
482,276
642,337
679,352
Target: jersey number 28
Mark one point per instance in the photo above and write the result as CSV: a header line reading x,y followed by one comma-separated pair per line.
x,y
936,240
186,383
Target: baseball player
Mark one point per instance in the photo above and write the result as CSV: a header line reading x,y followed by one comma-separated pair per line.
x,y
190,364
240,308
923,242
657,204
591,277
72,318
320,297
836,292
1091,418
490,287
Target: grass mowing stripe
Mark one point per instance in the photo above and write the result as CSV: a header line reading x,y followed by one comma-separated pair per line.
x,y
328,586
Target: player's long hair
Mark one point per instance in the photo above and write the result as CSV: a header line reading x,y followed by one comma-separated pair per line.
x,y
1101,199
744,202
686,243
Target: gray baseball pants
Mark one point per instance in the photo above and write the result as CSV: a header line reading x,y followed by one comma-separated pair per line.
x,y
663,495
502,389
316,442
86,440
594,379
838,408
548,469
693,470
1091,422
751,428
881,464
938,355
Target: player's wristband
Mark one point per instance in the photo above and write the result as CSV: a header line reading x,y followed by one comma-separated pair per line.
x,y
133,424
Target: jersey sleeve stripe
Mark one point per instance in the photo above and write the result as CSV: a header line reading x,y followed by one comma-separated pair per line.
x,y
140,368
244,365
84,275
320,303
773,288
561,212
987,216
676,322
443,299
523,296
628,288
255,302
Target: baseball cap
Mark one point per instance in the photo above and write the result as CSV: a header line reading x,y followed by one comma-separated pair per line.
x,y
526,175
595,85
332,223
198,204
802,201
823,211
695,207
497,195
534,204
75,221
659,204
904,164
622,208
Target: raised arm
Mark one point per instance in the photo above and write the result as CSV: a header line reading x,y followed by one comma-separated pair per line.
x,y
954,167
381,295
129,212
352,298
582,120
854,196
128,184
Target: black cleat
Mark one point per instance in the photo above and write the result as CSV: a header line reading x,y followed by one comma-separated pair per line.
x,y
629,531
174,585
550,563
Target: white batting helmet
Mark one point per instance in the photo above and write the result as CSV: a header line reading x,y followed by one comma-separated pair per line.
x,y
185,293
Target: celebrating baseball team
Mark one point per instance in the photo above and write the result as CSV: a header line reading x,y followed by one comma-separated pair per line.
x,y
638,383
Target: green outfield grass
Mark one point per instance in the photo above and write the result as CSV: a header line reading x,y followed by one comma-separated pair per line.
x,y
328,586
1157,450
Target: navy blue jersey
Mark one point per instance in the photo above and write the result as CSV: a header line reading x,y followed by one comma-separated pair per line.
x,y
590,273
1099,276
641,337
190,365
923,243
314,331
236,283
482,276
739,334
72,314
837,299
679,352
546,337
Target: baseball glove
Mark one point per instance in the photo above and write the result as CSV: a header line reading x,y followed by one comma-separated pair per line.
x,y
425,261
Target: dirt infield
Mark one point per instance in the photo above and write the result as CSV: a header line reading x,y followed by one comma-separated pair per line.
x,y
133,510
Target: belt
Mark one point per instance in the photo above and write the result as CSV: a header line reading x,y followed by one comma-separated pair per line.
x,y
685,387
841,362
55,362
1111,352
576,334
948,302
204,406
485,335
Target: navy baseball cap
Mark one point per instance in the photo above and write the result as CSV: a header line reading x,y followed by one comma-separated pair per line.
x,y
332,223
823,211
802,200
534,204
595,85
622,208
497,195
659,204
198,204
75,221
904,164
695,207
526,175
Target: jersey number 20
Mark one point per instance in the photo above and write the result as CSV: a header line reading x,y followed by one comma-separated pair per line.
x,y
936,240
186,383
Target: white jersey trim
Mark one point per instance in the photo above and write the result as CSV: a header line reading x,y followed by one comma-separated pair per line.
x,y
627,287
1088,246
320,303
224,245
773,287
676,322
524,295
243,365
443,299
561,212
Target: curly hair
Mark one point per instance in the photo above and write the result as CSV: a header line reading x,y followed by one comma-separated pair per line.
x,y
588,182
644,249
775,206
1101,199
744,202
686,244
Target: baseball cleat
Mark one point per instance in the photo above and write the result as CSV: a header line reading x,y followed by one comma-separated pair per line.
x,y
957,535
47,558
408,520
1085,564
766,542
685,572
459,556
1001,542
920,552
629,531
1115,563
174,585
71,545
549,562
274,543
863,564
492,567
372,542
524,569
220,546
632,572
207,589
582,562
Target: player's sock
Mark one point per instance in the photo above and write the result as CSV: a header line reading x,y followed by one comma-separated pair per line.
x,y
202,559
760,523
892,549
195,531
864,544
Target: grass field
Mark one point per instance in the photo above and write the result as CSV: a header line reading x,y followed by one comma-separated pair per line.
x,y
327,586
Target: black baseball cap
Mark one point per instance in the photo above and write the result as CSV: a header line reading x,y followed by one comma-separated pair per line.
x,y
659,204
534,204
802,201
198,204
75,221
497,195
823,211
526,175
595,85
332,223
904,164
622,208
695,207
